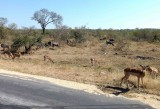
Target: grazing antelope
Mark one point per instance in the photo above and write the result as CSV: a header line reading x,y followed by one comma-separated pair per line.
x,y
153,71
71,42
18,54
139,73
47,57
8,53
92,61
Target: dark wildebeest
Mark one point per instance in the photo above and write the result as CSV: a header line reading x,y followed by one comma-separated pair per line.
x,y
110,41
55,44
5,46
52,44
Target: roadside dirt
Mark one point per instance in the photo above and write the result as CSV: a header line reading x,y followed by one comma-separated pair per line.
x,y
152,100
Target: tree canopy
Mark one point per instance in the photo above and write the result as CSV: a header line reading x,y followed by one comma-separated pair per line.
x,y
45,17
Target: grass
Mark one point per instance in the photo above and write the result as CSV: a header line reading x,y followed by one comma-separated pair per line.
x,y
73,63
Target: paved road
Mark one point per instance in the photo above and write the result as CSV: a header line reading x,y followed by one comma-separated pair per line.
x,y
18,93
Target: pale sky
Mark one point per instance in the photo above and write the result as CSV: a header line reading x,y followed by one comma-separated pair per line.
x,y
94,14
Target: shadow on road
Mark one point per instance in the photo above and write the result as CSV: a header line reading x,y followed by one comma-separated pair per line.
x,y
117,90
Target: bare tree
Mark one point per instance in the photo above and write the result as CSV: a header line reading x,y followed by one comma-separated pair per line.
x,y
45,17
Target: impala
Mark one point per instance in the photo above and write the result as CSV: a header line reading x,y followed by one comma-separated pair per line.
x,y
8,53
17,54
139,73
47,57
92,61
153,71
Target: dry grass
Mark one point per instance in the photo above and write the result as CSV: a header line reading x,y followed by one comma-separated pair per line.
x,y
73,63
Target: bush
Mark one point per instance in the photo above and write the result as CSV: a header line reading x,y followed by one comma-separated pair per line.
x,y
26,41
122,46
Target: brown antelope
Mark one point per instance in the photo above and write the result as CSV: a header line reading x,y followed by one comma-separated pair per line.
x,y
92,61
153,71
47,57
8,53
71,42
139,73
18,54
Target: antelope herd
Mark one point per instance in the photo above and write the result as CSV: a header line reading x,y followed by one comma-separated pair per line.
x,y
136,72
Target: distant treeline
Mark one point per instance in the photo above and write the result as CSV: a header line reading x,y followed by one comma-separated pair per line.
x,y
150,35
82,34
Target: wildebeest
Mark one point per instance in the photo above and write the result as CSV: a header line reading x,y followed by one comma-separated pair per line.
x,y
52,44
5,46
110,41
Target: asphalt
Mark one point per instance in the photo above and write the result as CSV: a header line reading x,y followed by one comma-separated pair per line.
x,y
19,93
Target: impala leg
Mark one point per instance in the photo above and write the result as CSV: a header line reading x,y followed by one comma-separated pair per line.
x,y
155,76
122,80
127,81
125,77
138,82
44,58
142,81
127,84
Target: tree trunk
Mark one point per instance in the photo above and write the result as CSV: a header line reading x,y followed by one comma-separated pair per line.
x,y
43,29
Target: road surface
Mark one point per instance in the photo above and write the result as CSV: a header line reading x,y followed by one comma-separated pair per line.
x,y
19,93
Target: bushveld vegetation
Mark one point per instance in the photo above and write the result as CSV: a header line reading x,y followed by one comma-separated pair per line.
x,y
72,61
132,47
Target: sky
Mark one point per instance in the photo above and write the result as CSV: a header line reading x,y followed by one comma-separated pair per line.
x,y
94,14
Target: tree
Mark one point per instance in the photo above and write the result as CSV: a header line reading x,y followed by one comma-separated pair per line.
x,y
45,17
12,26
3,32
3,21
